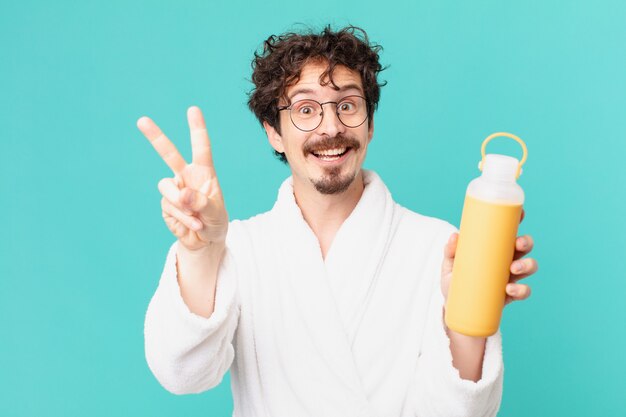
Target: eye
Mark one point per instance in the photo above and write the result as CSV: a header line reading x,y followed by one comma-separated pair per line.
x,y
346,107
305,108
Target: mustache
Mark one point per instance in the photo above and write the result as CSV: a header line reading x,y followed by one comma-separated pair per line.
x,y
338,141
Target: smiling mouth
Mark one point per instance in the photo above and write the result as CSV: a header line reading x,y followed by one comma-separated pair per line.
x,y
330,155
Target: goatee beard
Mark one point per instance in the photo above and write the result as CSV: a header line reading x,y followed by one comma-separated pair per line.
x,y
333,182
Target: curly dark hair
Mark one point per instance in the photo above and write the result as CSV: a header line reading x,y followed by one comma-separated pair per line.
x,y
280,63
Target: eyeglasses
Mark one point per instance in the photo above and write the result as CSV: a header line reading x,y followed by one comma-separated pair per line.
x,y
307,114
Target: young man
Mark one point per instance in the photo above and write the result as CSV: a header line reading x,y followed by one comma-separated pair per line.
x,y
331,303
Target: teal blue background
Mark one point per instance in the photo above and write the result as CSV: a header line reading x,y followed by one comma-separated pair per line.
x,y
83,242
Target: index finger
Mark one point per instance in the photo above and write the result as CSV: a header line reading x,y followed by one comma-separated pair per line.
x,y
162,144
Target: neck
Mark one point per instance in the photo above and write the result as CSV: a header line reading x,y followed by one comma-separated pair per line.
x,y
326,213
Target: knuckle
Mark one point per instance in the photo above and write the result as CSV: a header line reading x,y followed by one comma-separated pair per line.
x,y
202,205
202,199
170,222
180,229
169,154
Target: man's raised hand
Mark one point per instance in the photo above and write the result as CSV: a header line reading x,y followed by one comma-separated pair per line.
x,y
192,204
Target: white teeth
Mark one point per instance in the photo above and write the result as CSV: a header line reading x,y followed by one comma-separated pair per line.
x,y
329,158
331,152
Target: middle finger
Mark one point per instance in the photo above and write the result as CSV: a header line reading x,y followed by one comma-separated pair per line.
x,y
200,142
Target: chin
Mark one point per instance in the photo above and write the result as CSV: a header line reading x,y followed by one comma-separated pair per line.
x,y
334,181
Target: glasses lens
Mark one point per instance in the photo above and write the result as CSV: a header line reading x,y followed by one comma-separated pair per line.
x,y
306,114
352,111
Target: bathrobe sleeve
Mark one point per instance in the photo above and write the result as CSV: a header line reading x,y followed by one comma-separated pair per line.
x,y
439,389
188,353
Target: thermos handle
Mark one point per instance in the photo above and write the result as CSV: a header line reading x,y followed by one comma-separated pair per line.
x,y
509,135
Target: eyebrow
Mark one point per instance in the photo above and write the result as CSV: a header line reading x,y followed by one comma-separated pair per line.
x,y
351,86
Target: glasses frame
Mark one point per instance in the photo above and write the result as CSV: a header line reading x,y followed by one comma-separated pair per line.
x,y
281,108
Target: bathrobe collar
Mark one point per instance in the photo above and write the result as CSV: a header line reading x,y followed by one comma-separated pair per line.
x,y
333,294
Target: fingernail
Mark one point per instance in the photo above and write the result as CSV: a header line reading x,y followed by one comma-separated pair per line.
x,y
511,290
519,266
196,225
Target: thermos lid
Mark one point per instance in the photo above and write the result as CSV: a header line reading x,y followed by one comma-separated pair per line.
x,y
500,167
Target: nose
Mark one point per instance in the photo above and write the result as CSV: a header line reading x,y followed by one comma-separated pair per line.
x,y
331,125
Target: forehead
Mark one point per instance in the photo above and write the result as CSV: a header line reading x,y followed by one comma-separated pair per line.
x,y
309,81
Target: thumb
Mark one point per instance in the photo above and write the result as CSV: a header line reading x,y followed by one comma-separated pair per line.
x,y
209,209
192,200
449,251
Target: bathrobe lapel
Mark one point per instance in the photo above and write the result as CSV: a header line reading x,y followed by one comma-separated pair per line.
x,y
358,251
329,298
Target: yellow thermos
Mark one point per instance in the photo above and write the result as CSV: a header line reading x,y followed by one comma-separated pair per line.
x,y
486,244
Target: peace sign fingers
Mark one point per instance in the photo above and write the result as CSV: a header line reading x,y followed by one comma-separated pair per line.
x,y
162,144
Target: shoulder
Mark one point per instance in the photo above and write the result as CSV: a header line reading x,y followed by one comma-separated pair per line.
x,y
417,224
423,225
421,238
239,229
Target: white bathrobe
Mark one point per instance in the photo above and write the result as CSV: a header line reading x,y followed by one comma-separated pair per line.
x,y
360,333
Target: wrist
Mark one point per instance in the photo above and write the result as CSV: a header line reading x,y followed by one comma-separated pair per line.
x,y
202,252
205,259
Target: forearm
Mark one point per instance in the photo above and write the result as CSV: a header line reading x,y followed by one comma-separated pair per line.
x,y
467,354
197,277
466,384
188,353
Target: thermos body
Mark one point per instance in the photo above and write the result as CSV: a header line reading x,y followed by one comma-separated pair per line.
x,y
480,273
486,246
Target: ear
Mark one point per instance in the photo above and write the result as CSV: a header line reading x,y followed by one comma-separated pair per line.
x,y
275,140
